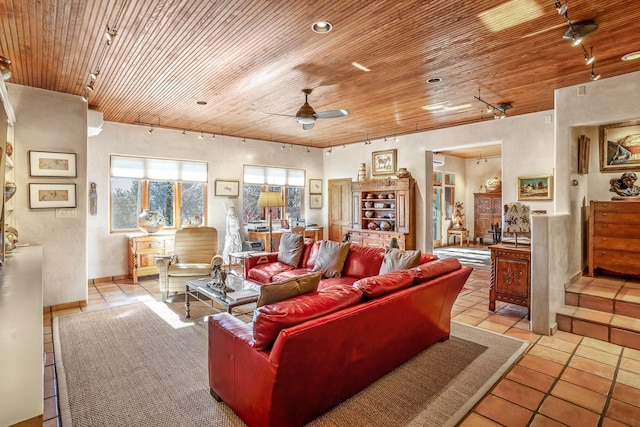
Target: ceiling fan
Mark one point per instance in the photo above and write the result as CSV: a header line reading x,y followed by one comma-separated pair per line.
x,y
307,116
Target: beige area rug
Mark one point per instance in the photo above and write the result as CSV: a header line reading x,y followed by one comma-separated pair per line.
x,y
145,365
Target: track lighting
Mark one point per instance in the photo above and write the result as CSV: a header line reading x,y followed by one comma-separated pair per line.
x,y
89,87
329,151
576,33
499,111
395,138
150,130
213,136
244,140
345,145
308,150
184,132
201,135
562,8
283,146
291,147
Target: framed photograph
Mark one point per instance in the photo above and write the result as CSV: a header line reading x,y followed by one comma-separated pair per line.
x,y
49,196
51,164
620,147
383,162
227,188
315,201
535,187
315,186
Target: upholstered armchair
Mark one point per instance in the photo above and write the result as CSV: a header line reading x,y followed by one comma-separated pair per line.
x,y
194,249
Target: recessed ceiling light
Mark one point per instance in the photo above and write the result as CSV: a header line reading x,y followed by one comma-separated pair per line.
x,y
631,56
321,27
201,102
434,80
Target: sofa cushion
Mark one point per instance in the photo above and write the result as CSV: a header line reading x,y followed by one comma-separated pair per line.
x,y
290,274
397,259
432,269
270,319
263,273
331,258
291,247
426,257
376,286
363,261
290,288
310,262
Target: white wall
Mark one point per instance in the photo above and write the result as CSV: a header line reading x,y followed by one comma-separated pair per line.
x,y
527,146
52,121
107,254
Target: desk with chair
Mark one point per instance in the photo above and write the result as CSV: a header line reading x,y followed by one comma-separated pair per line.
x,y
315,233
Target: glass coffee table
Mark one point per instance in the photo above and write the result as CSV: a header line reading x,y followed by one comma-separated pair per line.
x,y
239,292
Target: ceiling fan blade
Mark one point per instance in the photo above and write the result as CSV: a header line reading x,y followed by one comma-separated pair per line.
x,y
332,114
277,114
308,126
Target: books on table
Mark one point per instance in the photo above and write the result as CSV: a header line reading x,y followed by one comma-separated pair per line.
x,y
243,295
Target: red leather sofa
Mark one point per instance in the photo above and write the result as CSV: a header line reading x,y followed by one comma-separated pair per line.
x,y
362,261
302,356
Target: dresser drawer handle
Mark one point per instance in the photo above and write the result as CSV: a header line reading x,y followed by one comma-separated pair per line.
x,y
604,225
604,214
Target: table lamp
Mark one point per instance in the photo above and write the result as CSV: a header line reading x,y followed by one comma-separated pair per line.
x,y
270,199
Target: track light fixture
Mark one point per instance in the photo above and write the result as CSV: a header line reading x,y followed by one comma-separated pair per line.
x,y
201,135
395,138
499,111
308,150
213,136
576,33
244,140
109,35
184,132
150,130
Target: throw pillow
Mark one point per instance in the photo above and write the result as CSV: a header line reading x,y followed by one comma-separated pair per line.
x,y
331,258
397,259
286,289
290,251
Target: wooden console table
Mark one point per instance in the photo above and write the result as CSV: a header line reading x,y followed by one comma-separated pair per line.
x,y
143,249
510,275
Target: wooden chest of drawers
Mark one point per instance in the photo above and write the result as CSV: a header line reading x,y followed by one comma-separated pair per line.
x,y
377,238
614,237
142,251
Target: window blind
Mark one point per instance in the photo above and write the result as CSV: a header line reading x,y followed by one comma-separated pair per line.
x,y
265,175
158,169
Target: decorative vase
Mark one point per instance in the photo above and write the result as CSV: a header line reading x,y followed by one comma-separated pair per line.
x,y
150,221
362,172
372,226
493,184
403,173
368,214
385,226
9,190
368,204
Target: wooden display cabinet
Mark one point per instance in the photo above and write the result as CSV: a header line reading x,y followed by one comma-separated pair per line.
x,y
510,275
383,209
142,251
487,211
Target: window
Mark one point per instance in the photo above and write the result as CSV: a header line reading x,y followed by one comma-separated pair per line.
x,y
290,184
176,188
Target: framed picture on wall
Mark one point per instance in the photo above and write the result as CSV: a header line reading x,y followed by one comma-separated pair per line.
x,y
315,186
383,162
49,196
315,201
228,188
620,147
535,187
52,164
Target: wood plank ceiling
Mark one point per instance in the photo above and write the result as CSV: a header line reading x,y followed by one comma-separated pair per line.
x,y
249,60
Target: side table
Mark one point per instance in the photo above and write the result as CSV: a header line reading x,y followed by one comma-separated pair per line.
x,y
462,234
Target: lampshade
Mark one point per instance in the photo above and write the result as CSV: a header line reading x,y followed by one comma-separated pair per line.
x,y
270,199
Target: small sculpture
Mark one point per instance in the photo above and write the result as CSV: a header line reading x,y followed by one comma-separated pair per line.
x,y
232,239
457,220
625,185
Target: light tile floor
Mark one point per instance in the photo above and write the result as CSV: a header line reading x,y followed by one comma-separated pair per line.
x,y
564,379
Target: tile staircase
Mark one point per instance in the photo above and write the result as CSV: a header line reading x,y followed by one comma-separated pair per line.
x,y
603,308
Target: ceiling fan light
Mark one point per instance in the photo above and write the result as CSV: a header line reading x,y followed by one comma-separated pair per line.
x,y
306,120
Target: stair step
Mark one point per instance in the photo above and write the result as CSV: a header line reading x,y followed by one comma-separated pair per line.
x,y
604,326
622,298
